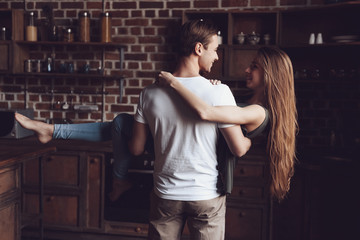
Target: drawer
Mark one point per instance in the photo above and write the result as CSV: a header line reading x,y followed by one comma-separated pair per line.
x,y
9,222
249,170
244,223
248,192
58,170
58,210
8,180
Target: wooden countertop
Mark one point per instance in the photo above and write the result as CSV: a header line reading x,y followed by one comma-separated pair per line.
x,y
21,149
15,153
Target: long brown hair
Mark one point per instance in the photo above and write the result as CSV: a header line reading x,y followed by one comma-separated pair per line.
x,y
280,101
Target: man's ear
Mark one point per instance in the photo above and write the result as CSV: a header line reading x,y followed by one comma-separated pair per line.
x,y
198,48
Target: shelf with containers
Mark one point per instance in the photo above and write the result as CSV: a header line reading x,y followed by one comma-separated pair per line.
x,y
65,58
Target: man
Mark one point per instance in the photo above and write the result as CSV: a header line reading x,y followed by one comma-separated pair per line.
x,y
185,171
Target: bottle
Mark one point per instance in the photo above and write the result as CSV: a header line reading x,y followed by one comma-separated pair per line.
x,y
106,27
31,29
84,20
3,33
68,35
220,38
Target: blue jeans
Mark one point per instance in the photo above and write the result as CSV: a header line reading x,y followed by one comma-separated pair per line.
x,y
119,131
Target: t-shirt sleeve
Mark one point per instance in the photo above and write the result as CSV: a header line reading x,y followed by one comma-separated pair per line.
x,y
224,98
139,115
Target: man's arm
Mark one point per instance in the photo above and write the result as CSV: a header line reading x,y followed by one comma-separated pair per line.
x,y
236,141
138,140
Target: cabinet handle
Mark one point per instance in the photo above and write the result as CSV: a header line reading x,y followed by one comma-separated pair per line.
x,y
242,214
94,160
242,171
51,198
138,229
241,192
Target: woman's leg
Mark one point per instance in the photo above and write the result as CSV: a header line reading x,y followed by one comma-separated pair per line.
x,y
95,132
121,131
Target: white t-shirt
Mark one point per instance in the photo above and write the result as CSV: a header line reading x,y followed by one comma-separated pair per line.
x,y
185,146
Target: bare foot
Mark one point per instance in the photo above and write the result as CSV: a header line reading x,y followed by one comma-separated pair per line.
x,y
44,131
118,188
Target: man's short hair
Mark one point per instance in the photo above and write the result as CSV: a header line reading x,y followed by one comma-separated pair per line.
x,y
195,31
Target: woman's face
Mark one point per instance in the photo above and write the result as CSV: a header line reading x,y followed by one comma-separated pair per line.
x,y
254,76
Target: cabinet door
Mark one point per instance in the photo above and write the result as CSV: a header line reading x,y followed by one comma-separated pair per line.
x,y
59,170
59,210
9,227
4,57
94,190
244,223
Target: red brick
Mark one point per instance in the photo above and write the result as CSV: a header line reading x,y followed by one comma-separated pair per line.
x,y
151,4
134,99
149,31
133,65
150,13
124,40
124,5
94,5
146,74
155,39
146,66
133,91
254,3
234,3
133,82
136,48
136,56
119,14
178,4
122,108
164,13
136,13
74,5
135,31
136,22
205,4
290,2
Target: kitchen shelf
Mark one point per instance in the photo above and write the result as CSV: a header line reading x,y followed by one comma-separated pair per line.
x,y
60,43
68,75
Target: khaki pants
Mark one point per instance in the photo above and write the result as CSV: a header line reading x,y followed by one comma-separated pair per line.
x,y
205,219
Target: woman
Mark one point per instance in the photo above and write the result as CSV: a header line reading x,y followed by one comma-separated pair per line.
x,y
270,76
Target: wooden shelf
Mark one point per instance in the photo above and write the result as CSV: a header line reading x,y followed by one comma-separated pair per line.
x,y
67,75
60,43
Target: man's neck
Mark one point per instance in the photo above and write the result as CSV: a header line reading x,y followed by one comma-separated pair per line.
x,y
187,67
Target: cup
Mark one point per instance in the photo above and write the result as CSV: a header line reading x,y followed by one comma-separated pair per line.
x,y
312,38
319,39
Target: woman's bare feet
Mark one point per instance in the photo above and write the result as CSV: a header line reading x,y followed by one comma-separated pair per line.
x,y
119,186
44,131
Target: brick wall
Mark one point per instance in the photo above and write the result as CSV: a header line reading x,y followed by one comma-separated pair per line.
x,y
147,29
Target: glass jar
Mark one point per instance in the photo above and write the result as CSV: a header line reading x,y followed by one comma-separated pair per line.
x,y
106,27
31,29
84,23
68,35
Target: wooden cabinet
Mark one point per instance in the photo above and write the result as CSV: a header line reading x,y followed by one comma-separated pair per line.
x,y
13,21
10,203
248,206
73,198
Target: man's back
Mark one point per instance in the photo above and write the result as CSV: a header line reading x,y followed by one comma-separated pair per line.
x,y
185,146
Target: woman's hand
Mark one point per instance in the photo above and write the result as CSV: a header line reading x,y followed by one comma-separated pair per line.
x,y
215,81
166,79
